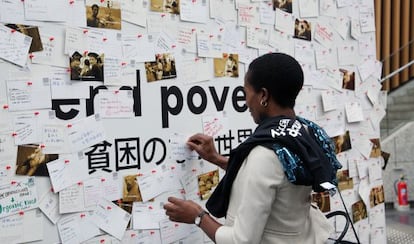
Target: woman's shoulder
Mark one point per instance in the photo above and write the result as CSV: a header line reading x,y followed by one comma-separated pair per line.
x,y
265,158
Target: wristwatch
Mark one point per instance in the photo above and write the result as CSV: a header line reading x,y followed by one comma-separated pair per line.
x,y
197,220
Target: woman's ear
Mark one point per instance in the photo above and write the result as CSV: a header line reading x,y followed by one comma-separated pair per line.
x,y
265,95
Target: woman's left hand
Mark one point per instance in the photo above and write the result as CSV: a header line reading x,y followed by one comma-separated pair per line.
x,y
184,211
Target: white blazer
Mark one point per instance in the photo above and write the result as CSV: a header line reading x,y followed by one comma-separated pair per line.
x,y
266,208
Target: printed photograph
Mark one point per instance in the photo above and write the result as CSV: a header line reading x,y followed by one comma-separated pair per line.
x,y
348,79
207,182
376,148
303,30
163,68
31,161
342,142
228,65
386,157
359,211
165,6
103,14
86,66
376,196
285,5
344,182
33,32
322,199
131,192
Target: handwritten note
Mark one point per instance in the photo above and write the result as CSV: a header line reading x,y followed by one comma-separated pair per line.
x,y
134,11
208,45
19,196
28,94
22,228
194,11
14,46
67,170
115,104
179,151
49,204
76,228
85,132
156,181
215,124
72,199
139,47
147,215
354,112
257,37
111,218
173,231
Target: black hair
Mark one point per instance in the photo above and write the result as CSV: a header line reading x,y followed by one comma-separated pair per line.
x,y
94,6
95,55
280,74
76,55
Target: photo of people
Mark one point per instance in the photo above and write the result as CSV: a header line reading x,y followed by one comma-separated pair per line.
x,y
87,67
342,142
33,32
376,148
103,14
376,196
344,182
165,6
303,30
285,5
31,161
227,66
131,192
359,211
163,68
348,79
322,199
206,183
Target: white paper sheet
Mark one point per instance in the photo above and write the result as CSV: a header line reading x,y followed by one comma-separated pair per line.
x,y
20,195
14,46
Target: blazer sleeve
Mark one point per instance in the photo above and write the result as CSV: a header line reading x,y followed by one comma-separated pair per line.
x,y
259,177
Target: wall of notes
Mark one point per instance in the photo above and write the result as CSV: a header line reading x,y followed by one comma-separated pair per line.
x,y
98,97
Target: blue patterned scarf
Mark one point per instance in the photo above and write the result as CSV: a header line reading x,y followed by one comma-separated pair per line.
x,y
305,150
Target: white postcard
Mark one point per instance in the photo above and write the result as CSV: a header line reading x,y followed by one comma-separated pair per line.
x,y
67,170
20,195
22,228
194,11
28,94
72,199
14,46
86,132
76,228
147,215
49,204
110,218
134,11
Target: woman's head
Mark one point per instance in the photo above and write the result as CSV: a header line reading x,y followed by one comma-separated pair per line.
x,y
272,78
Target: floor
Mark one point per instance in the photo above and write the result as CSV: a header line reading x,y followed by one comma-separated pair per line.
x,y
400,226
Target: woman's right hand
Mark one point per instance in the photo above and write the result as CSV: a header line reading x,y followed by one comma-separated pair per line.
x,y
204,146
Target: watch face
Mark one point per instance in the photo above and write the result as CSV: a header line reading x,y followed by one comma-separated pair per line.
x,y
197,220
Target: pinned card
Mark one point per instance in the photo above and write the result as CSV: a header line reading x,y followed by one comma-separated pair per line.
x,y
354,112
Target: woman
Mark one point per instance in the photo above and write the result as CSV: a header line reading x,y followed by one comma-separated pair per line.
x,y
265,194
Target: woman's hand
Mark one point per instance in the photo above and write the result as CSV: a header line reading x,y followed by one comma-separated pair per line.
x,y
204,146
184,211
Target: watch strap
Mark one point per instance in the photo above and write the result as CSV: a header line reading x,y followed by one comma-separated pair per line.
x,y
200,216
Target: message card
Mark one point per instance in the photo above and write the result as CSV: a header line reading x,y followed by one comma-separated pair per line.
x,y
18,196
